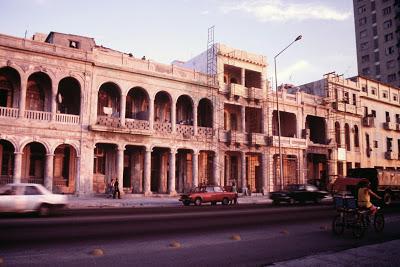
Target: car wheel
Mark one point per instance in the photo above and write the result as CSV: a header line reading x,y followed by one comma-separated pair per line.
x,y
44,210
387,198
225,201
197,201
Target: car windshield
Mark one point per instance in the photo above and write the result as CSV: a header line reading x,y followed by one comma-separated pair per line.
x,y
217,189
294,187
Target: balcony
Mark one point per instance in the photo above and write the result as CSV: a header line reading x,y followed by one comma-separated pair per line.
x,y
288,142
137,124
390,155
237,90
206,132
235,137
9,112
187,131
368,121
398,127
37,115
389,125
67,118
257,139
162,127
255,93
109,121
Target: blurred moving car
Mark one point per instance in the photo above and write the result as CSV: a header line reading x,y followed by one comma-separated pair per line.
x,y
298,193
24,198
208,193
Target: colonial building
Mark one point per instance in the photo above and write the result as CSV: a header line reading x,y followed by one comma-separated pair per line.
x,y
74,115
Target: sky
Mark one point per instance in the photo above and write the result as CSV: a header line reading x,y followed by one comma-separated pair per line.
x,y
167,30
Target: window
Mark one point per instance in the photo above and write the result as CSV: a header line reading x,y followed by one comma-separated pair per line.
x,y
398,119
373,18
374,31
375,144
373,5
376,54
363,33
377,70
73,44
389,50
362,21
387,24
365,59
391,77
388,37
373,113
389,144
356,136
365,71
354,99
362,9
99,161
364,45
390,64
346,98
394,97
347,136
385,94
387,10
373,90
387,114
31,190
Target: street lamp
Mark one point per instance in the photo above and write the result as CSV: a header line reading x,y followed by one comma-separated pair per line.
x,y
277,111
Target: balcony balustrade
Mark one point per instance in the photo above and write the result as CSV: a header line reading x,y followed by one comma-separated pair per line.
x,y
67,118
137,124
9,112
289,142
162,127
37,115
109,121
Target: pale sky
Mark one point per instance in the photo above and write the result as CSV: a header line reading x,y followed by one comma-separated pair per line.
x,y
165,30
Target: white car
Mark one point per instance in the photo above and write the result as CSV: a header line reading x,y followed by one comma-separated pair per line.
x,y
24,197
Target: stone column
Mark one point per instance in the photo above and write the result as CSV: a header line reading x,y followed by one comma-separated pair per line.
x,y
77,175
17,166
151,114
53,103
173,117
22,97
120,167
49,172
243,74
195,168
243,114
122,109
171,181
195,119
216,180
147,171
243,172
264,168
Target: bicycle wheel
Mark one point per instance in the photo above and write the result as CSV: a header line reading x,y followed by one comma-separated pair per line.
x,y
338,225
359,228
379,222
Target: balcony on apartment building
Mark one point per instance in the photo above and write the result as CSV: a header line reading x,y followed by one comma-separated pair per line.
x,y
390,155
368,121
239,138
288,142
40,116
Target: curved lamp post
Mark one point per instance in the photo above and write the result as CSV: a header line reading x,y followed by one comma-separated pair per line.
x,y
278,115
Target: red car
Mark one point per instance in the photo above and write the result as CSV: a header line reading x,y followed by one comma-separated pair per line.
x,y
208,194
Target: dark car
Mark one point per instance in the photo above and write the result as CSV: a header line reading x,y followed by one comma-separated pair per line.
x,y
298,193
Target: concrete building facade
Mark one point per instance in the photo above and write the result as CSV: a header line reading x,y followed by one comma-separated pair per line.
x,y
74,115
377,24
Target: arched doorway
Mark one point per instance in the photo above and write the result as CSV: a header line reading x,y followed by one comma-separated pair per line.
x,y
69,96
6,162
10,84
38,93
64,173
33,163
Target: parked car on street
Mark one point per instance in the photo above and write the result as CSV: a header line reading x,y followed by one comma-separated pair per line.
x,y
208,194
25,198
298,193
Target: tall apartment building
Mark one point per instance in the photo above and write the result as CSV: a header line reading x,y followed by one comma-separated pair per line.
x,y
74,115
377,29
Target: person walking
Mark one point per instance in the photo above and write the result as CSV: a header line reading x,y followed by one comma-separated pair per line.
x,y
234,190
116,189
110,189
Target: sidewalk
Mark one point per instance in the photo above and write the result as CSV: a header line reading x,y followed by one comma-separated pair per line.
x,y
102,201
382,255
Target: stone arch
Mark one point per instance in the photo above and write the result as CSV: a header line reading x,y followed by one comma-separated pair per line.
x,y
347,136
205,113
69,96
108,99
33,163
356,136
64,170
184,110
7,150
137,104
10,87
39,92
337,134
162,107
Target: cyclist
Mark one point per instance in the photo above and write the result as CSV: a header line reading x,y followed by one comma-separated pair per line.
x,y
364,197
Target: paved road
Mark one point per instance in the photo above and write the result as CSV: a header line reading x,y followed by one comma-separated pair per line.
x,y
205,236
